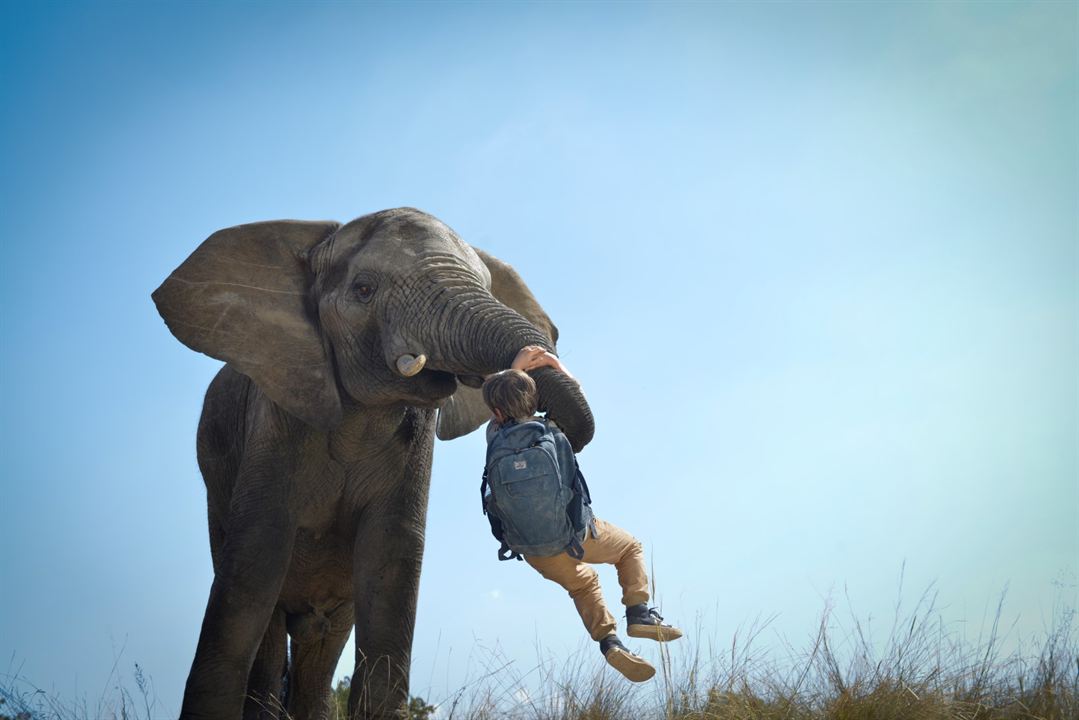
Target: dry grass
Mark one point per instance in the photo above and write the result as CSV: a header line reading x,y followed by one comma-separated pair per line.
x,y
22,700
920,671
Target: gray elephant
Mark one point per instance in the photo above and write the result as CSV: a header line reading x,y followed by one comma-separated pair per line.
x,y
315,440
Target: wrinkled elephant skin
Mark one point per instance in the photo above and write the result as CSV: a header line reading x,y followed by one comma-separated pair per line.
x,y
343,346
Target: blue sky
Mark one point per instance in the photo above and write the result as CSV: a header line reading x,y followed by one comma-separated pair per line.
x,y
815,265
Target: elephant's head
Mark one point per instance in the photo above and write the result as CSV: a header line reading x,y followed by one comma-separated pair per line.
x,y
390,307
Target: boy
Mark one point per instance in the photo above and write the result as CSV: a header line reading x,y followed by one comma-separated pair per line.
x,y
511,397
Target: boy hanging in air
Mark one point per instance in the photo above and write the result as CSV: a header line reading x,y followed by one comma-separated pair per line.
x,y
539,507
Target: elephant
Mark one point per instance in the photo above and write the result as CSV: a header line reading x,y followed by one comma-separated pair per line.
x,y
347,349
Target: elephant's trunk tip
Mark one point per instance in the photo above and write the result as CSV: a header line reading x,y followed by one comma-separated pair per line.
x,y
409,365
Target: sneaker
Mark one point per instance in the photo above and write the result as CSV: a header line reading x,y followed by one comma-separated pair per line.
x,y
645,622
633,667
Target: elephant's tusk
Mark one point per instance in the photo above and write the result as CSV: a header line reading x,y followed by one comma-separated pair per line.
x,y
409,365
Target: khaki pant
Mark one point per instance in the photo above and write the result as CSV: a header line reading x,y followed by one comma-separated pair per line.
x,y
614,546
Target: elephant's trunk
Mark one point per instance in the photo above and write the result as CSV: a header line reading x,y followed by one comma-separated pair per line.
x,y
472,333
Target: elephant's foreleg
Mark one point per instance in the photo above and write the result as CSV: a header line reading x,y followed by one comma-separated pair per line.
x,y
317,641
263,700
389,549
253,562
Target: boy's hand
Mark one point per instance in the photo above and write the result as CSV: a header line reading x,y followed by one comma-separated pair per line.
x,y
531,357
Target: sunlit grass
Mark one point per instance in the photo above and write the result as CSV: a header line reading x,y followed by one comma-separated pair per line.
x,y
921,670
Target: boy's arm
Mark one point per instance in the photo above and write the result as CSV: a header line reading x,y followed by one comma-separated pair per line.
x,y
531,357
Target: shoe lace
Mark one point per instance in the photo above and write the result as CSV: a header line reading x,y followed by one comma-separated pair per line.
x,y
652,612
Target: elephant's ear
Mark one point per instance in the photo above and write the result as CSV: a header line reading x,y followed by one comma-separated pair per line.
x,y
465,410
241,297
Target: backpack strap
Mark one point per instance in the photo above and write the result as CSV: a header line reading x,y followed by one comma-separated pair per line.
x,y
583,489
507,553
574,549
483,490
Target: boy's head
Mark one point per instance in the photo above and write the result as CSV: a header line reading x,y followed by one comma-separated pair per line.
x,y
510,394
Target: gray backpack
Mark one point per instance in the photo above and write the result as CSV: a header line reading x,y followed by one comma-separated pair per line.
x,y
535,507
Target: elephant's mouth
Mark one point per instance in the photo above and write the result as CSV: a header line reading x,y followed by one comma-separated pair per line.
x,y
436,383
409,365
416,367
434,386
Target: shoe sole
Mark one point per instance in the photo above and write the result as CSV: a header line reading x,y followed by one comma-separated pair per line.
x,y
632,667
654,632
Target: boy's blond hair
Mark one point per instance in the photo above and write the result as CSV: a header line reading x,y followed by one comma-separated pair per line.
x,y
512,392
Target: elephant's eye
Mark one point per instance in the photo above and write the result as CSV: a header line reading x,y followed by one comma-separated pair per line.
x,y
364,289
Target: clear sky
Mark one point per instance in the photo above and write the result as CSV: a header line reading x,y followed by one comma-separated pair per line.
x,y
815,265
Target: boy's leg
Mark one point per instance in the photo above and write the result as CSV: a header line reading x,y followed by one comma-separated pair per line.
x,y
615,546
582,583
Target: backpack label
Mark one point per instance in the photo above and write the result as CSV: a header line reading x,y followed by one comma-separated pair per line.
x,y
520,464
